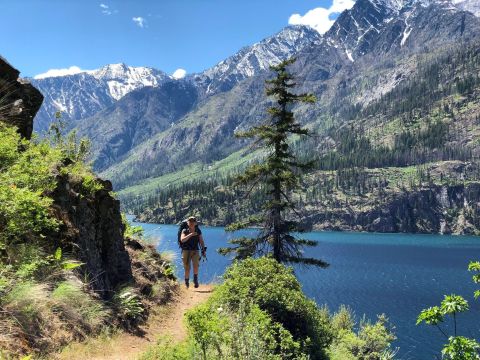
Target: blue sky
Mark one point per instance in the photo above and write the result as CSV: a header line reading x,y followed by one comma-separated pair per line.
x,y
38,35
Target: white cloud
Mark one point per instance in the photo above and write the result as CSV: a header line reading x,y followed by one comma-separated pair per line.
x,y
320,18
140,21
179,74
60,72
106,9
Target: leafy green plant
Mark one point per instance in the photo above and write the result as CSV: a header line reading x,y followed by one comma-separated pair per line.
x,y
167,349
474,266
371,341
267,290
457,347
131,231
128,304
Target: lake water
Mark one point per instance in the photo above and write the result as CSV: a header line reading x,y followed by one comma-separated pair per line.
x,y
395,274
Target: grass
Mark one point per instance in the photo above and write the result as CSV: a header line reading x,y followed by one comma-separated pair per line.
x,y
167,349
104,343
82,309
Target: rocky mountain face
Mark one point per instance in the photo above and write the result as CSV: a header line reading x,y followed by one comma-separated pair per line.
x,y
431,210
20,101
93,228
135,118
468,5
255,59
82,95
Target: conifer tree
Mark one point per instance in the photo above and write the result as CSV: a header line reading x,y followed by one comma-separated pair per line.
x,y
279,173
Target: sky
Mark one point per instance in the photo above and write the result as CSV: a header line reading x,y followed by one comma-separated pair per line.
x,y
175,36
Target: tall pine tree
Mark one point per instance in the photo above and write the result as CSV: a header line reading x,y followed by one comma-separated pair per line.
x,y
280,173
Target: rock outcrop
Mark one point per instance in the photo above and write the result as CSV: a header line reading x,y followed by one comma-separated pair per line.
x,y
19,101
92,231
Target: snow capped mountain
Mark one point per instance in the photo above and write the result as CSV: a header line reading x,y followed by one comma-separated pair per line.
x,y
370,25
122,79
83,94
256,58
392,22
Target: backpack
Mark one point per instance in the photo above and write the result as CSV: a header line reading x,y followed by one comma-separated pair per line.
x,y
183,225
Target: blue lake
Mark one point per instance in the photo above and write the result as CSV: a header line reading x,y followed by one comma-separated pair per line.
x,y
395,274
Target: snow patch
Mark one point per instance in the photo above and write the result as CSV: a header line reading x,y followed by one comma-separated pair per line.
x,y
406,34
349,55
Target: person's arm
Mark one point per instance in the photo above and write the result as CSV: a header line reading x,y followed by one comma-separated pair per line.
x,y
184,237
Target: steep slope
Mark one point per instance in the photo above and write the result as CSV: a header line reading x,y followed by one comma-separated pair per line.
x,y
67,258
135,118
81,95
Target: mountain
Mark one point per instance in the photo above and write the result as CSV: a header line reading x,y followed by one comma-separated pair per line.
x,y
82,95
135,118
384,40
252,60
367,72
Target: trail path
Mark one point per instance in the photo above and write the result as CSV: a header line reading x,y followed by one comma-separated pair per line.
x,y
168,320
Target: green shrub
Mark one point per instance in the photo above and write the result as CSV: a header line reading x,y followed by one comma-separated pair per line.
x,y
370,342
131,231
275,289
260,312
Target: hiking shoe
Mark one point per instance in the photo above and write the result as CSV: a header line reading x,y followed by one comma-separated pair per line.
x,y
195,281
187,283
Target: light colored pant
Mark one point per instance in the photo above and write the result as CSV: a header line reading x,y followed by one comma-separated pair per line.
x,y
192,256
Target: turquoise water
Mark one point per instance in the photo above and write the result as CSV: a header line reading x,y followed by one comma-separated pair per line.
x,y
395,274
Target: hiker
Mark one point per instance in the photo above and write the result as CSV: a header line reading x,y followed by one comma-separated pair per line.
x,y
190,238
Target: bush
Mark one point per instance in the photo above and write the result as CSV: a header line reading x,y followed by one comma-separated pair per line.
x,y
260,312
274,288
370,342
129,306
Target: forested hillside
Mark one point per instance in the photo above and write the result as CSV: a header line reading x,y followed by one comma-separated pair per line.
x,y
417,143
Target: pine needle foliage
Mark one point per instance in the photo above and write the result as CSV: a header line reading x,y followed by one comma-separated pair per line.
x,y
279,173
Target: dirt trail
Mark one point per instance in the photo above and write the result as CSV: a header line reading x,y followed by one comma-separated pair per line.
x,y
167,321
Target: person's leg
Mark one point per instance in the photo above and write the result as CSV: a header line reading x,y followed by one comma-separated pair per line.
x,y
196,262
186,266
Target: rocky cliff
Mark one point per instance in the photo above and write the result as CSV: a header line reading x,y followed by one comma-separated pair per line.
x,y
436,209
91,224
20,101
92,231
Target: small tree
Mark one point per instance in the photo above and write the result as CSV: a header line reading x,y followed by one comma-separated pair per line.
x,y
280,174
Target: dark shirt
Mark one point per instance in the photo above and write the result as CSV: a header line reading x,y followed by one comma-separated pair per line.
x,y
192,243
